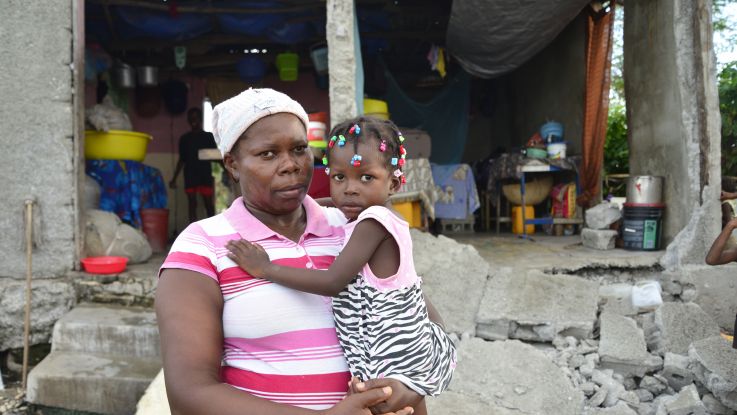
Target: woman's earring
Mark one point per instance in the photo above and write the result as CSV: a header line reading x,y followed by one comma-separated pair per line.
x,y
235,176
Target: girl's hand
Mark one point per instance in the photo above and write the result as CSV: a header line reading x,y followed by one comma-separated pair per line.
x,y
251,257
402,396
358,403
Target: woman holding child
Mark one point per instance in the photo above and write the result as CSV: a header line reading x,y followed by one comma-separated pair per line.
x,y
233,343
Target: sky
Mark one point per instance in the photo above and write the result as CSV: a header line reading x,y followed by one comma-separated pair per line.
x,y
724,42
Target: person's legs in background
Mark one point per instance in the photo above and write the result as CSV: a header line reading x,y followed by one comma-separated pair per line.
x,y
192,204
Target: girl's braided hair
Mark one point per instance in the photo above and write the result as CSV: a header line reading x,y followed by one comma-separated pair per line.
x,y
374,129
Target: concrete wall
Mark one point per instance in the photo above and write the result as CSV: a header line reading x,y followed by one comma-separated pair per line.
x,y
673,117
550,86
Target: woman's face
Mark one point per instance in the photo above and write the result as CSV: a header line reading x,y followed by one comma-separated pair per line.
x,y
272,163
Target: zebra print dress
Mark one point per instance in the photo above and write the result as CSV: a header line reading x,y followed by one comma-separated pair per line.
x,y
383,325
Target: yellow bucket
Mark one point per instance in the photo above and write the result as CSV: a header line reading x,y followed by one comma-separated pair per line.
x,y
115,145
376,108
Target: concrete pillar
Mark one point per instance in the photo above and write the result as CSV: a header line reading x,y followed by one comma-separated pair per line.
x,y
673,117
344,61
38,129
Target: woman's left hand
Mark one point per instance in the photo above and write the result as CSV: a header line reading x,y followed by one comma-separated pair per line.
x,y
251,257
401,397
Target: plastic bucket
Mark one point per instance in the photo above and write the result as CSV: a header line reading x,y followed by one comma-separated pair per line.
x,y
379,115
557,150
642,227
288,65
156,228
319,56
115,145
321,116
316,134
552,130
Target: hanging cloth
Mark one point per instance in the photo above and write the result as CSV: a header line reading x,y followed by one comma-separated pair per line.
x,y
596,109
444,118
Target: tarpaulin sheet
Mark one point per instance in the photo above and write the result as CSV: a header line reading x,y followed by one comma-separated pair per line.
x,y
491,38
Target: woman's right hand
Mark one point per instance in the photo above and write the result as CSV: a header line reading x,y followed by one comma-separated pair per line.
x,y
359,403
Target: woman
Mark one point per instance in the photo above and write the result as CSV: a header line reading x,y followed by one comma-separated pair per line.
x,y
277,345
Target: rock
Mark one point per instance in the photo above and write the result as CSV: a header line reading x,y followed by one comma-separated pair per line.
x,y
588,388
653,385
576,361
687,402
614,389
630,398
675,369
689,294
678,325
619,409
629,384
644,395
622,347
602,216
437,258
714,364
598,239
51,299
514,365
713,406
598,398
536,306
645,408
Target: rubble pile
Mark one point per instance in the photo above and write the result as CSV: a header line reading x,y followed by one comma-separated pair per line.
x,y
671,361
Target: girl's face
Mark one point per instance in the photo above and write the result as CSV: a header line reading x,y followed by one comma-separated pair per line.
x,y
272,164
354,189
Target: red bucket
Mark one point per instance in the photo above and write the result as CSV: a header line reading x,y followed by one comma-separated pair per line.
x,y
156,228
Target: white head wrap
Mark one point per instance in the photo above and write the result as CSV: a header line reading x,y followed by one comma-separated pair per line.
x,y
231,118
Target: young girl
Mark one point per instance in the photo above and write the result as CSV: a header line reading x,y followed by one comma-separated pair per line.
x,y
380,314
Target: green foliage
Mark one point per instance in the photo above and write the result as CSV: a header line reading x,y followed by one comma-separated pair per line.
x,y
728,109
616,148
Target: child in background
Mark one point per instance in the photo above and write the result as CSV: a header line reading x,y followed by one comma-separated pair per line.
x,y
380,314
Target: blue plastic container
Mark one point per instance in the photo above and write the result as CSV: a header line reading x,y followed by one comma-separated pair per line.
x,y
552,132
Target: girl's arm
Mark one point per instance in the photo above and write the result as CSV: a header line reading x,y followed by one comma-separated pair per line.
x,y
717,254
365,239
189,313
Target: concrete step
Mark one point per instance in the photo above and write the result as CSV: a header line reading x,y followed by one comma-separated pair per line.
x,y
107,329
96,383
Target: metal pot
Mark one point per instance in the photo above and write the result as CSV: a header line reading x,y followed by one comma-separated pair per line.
x,y
645,189
148,75
124,75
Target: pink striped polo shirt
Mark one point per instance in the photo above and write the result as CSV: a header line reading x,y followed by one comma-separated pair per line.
x,y
280,344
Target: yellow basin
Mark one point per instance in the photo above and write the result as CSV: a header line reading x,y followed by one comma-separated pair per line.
x,y
115,145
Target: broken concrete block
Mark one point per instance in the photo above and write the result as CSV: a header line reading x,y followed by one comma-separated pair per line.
x,y
714,406
588,388
536,306
602,216
644,395
614,389
630,397
602,239
645,408
622,347
519,379
714,364
675,369
653,385
435,259
687,402
677,325
598,398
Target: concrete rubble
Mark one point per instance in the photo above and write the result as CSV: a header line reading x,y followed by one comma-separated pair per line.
x,y
675,326
535,306
518,379
629,358
602,239
437,260
602,216
714,364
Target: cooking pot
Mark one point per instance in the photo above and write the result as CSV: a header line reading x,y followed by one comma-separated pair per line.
x,y
124,75
148,75
645,190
